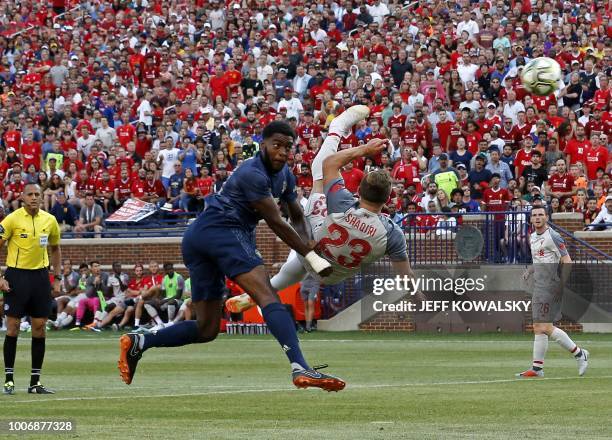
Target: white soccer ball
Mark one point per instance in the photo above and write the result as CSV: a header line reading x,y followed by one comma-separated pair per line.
x,y
24,326
541,76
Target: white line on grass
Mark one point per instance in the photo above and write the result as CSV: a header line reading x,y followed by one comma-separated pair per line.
x,y
408,339
273,390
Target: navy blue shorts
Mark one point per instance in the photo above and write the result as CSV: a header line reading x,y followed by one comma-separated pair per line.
x,y
213,250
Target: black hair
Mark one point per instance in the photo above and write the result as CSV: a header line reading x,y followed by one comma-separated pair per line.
x,y
83,266
168,265
280,127
457,191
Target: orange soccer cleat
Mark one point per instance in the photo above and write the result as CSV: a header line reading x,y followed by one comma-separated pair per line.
x,y
312,378
240,303
531,373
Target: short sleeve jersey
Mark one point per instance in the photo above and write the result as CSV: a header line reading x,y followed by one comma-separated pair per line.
x,y
352,236
28,238
251,182
547,249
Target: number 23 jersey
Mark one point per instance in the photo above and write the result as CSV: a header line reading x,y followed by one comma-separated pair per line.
x,y
352,236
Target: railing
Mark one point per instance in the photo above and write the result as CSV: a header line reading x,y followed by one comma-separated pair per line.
x,y
430,239
598,227
579,249
162,224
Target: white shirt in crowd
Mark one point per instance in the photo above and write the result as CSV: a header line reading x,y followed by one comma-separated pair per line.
x,y
470,26
143,108
511,110
168,157
467,72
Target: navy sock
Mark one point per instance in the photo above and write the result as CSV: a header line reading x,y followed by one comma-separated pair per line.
x,y
281,325
183,333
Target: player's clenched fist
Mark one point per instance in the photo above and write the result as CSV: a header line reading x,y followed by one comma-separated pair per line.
x,y
375,146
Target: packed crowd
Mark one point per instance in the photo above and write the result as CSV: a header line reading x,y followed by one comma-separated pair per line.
x,y
93,299
162,100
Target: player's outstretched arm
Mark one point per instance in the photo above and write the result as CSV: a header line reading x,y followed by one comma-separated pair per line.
x,y
269,211
334,163
296,215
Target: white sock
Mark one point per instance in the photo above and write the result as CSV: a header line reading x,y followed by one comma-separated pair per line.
x,y
171,312
98,316
136,322
540,345
153,313
329,147
291,272
565,341
60,317
296,367
66,321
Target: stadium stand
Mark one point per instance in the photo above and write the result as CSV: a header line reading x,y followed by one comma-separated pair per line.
x,y
110,98
157,102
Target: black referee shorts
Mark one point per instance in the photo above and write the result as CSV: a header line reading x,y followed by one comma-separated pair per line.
x,y
30,293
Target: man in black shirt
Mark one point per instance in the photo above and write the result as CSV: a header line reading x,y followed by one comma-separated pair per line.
x,y
536,172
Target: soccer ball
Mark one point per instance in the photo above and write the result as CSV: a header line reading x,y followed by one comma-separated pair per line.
x,y
541,76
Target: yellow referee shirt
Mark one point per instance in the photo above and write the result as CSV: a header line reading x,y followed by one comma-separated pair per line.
x,y
28,238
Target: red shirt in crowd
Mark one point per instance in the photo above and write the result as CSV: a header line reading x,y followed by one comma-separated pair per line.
x,y
352,179
576,150
30,154
595,158
523,159
205,185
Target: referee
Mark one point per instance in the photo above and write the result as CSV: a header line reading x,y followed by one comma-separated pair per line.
x,y
27,289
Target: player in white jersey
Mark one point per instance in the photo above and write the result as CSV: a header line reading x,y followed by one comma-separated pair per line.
x,y
349,231
548,250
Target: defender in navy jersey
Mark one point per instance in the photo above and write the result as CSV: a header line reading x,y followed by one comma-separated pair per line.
x,y
350,232
221,242
550,257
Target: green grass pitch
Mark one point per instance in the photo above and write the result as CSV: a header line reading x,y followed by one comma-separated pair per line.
x,y
399,387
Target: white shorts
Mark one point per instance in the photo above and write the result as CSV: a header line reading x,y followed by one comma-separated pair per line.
x,y
74,301
185,304
118,301
316,212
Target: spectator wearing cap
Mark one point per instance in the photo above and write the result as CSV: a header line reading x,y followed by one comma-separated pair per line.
x,y
291,103
478,175
446,177
64,213
496,166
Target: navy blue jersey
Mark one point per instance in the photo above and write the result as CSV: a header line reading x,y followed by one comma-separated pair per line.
x,y
249,183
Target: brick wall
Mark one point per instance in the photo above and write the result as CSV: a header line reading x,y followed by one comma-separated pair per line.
x,y
389,322
133,250
601,240
570,221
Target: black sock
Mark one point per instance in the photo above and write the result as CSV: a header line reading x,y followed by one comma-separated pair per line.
x,y
10,351
536,368
38,355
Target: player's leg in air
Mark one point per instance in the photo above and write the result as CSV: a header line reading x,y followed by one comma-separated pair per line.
x,y
221,243
293,270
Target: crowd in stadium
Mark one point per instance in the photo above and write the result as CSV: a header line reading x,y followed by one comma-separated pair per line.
x,y
161,100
